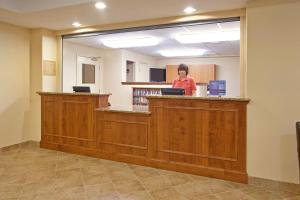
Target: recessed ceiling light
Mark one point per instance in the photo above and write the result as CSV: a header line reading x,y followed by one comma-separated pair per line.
x,y
208,36
76,24
128,42
100,5
189,10
181,52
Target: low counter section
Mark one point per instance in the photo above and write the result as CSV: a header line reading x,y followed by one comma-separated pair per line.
x,y
197,135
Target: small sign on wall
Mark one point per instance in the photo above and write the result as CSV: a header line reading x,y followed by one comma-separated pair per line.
x,y
217,87
49,68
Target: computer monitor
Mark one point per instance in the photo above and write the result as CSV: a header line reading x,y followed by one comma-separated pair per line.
x,y
217,88
172,91
81,89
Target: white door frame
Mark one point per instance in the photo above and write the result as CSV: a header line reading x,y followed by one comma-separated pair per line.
x,y
95,88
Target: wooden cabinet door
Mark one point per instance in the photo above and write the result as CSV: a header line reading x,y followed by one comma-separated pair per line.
x,y
202,73
171,73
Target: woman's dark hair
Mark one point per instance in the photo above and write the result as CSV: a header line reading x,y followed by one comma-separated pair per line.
x,y
183,67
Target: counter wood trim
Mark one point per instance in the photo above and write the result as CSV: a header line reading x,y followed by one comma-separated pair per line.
x,y
197,136
153,83
72,93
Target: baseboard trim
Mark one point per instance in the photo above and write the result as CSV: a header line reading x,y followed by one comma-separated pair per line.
x,y
29,143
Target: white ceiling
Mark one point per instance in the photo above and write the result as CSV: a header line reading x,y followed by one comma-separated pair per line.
x,y
27,6
229,48
60,14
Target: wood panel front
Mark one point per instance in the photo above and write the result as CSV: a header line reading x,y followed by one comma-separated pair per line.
x,y
77,121
69,119
198,136
51,119
207,135
122,133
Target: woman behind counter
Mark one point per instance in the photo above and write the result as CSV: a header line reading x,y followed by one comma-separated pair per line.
x,y
184,81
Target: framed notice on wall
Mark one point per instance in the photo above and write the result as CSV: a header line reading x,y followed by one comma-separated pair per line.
x,y
49,68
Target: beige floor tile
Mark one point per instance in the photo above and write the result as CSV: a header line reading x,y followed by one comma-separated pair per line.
x,y
39,176
178,179
233,195
68,163
28,172
237,185
93,163
145,172
101,191
271,185
290,187
167,172
125,188
199,178
15,178
46,186
94,169
194,189
156,183
117,168
260,194
206,197
165,193
137,195
95,179
48,196
106,197
68,178
218,186
75,193
293,198
10,191
118,176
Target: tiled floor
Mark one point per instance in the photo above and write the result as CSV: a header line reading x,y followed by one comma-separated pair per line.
x,y
28,172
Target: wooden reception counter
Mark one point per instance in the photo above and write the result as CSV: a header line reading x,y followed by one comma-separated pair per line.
x,y
204,136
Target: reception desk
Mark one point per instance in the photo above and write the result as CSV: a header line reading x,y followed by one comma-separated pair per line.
x,y
199,135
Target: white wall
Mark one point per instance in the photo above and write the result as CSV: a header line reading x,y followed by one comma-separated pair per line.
x,y
49,53
273,74
228,68
113,68
70,53
142,65
39,49
14,90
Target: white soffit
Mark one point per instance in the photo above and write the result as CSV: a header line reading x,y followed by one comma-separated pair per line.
x,y
60,14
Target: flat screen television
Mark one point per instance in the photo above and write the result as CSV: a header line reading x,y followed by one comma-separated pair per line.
x,y
157,75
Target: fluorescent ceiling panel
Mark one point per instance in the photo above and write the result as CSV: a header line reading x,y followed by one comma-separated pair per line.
x,y
181,52
142,41
206,37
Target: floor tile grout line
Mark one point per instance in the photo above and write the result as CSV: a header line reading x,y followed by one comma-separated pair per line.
x,y
147,191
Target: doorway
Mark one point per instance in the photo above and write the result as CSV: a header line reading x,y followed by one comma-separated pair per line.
x,y
88,73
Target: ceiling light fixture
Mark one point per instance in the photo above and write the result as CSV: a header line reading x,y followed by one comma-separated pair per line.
x,y
182,52
76,24
208,36
129,42
189,10
100,5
